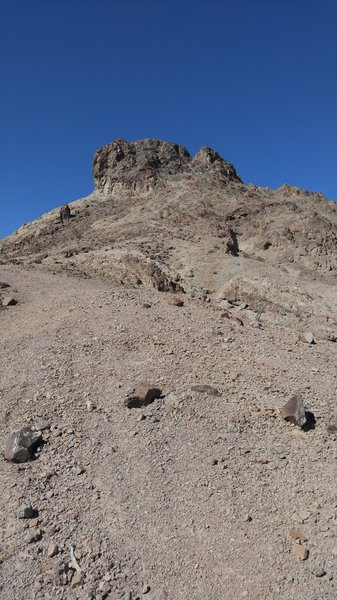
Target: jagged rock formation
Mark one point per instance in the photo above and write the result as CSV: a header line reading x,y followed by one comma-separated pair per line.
x,y
157,214
142,165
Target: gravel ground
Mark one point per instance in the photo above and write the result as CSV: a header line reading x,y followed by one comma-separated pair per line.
x,y
191,497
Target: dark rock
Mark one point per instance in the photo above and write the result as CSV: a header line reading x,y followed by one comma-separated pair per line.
x,y
4,285
22,444
294,412
27,512
143,395
206,389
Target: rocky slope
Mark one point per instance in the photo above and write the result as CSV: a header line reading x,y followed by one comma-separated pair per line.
x,y
207,491
160,217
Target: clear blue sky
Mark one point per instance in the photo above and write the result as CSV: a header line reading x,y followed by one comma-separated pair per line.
x,y
254,79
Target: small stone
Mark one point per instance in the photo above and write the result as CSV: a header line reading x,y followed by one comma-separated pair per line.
x,y
147,305
307,337
297,535
143,395
300,551
175,301
248,518
319,571
77,579
90,406
34,536
331,428
104,587
206,389
52,550
42,426
146,589
234,375
332,337
49,494
27,512
304,515
9,301
262,460
22,444
256,324
294,412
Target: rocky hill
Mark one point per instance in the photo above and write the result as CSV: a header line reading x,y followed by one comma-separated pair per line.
x,y
168,388
161,218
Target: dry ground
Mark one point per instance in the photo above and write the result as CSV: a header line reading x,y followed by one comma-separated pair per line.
x,y
190,498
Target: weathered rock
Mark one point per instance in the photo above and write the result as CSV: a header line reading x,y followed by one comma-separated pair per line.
x,y
9,301
300,551
143,395
332,337
298,535
206,389
176,301
307,337
256,324
294,412
52,550
22,444
77,579
33,536
27,512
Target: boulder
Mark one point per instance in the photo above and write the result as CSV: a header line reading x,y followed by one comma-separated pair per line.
x,y
22,444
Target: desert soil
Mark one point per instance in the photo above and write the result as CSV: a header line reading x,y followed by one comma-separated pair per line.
x,y
191,497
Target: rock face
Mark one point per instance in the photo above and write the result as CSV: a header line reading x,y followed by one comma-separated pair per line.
x,y
142,165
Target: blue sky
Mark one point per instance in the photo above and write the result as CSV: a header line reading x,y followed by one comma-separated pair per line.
x,y
256,80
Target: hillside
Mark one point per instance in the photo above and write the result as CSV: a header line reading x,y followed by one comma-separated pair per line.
x,y
206,491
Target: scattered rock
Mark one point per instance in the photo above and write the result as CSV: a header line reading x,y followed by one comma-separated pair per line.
x,y
22,444
206,389
77,579
52,550
4,285
143,395
256,324
33,536
300,551
304,515
294,412
175,301
27,512
262,460
297,535
319,571
307,337
332,337
9,301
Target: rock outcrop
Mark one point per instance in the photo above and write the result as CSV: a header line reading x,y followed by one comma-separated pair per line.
x,y
142,165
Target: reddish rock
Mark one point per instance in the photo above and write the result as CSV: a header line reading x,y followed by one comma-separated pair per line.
x,y
297,535
300,551
176,301
294,412
143,395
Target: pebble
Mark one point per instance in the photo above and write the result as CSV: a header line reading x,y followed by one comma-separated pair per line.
x,y
77,579
300,551
304,515
298,535
52,550
34,536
